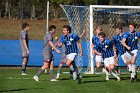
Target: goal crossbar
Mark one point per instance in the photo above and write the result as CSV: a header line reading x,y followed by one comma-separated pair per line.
x,y
110,6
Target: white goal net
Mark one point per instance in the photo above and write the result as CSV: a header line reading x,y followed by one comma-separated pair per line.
x,y
88,17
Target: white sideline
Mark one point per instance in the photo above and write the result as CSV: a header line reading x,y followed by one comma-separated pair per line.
x,y
17,78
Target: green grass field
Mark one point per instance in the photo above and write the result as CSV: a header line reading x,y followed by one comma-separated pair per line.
x,y
11,81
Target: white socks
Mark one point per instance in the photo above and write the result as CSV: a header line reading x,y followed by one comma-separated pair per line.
x,y
71,68
129,67
115,75
133,71
107,73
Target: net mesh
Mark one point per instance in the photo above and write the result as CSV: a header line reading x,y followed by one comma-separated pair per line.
x,y
79,20
107,18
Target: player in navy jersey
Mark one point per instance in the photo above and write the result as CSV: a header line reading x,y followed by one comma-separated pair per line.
x,y
64,57
130,42
70,40
119,48
95,39
105,49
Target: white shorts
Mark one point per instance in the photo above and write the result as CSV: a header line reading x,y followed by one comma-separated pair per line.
x,y
131,53
108,61
123,56
71,56
98,58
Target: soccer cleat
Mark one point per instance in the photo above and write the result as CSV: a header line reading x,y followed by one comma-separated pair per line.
x,y
36,78
119,79
23,74
107,78
132,80
58,76
54,80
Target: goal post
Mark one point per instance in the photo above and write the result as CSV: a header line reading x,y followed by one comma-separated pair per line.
x,y
106,16
78,17
91,35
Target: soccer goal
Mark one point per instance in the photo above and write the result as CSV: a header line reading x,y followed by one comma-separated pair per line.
x,y
88,17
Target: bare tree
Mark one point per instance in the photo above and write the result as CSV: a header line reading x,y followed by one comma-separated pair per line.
x,y
6,8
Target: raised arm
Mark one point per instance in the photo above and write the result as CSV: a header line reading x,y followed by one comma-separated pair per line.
x,y
92,46
84,32
80,47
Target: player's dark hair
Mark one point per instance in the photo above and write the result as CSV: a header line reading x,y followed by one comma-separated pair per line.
x,y
133,24
24,25
52,27
102,34
119,27
68,28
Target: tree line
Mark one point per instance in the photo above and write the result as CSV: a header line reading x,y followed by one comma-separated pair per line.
x,y
36,9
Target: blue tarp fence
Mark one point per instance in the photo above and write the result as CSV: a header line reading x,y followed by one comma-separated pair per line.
x,y
10,53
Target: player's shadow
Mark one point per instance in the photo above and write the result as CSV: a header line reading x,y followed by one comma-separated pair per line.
x,y
125,78
89,76
64,79
94,81
12,90
138,80
18,90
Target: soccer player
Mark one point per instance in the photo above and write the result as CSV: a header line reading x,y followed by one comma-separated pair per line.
x,y
63,58
47,54
130,42
95,39
119,48
70,40
24,47
105,49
